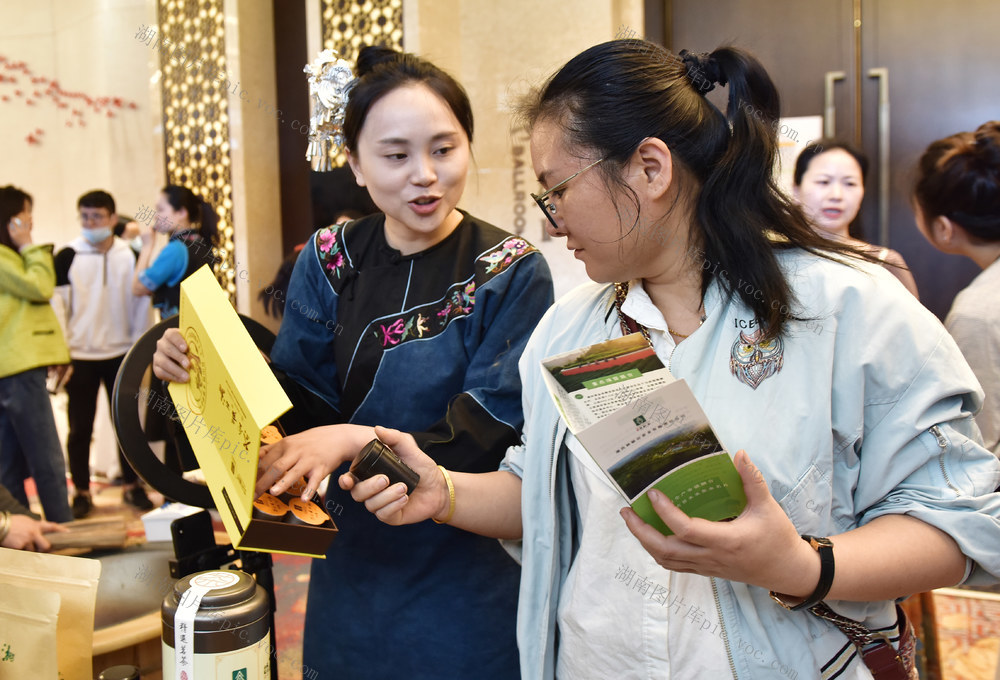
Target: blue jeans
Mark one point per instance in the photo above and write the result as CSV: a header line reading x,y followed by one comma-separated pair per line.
x,y
29,443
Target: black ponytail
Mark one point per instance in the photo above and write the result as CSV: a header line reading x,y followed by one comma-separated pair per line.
x,y
209,223
612,96
199,211
740,202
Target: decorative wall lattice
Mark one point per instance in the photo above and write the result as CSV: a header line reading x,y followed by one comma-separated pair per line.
x,y
194,85
348,26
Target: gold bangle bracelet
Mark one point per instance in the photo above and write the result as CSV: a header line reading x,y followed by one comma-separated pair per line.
x,y
451,497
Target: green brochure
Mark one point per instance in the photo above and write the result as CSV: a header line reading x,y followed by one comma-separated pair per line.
x,y
645,429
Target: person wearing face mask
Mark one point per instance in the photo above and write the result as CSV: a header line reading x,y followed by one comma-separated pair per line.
x,y
102,318
829,184
31,340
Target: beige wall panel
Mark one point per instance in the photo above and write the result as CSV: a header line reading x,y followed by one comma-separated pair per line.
x,y
253,130
498,50
87,46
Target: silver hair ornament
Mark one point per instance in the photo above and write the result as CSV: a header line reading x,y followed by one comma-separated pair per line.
x,y
330,82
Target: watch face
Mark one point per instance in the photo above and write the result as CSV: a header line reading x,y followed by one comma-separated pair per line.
x,y
818,542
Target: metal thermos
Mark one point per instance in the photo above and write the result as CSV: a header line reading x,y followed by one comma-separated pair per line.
x,y
216,625
120,673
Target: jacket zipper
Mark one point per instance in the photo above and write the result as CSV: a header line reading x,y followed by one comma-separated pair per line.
x,y
942,443
722,622
552,504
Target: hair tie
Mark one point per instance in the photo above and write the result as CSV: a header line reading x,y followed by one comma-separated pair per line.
x,y
330,82
703,71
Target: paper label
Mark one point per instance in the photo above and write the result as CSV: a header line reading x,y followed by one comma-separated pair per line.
x,y
187,611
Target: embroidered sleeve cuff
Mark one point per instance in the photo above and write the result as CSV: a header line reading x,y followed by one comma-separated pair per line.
x,y
147,281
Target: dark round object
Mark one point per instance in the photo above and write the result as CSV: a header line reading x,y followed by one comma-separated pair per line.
x,y
378,459
125,413
119,673
269,508
305,513
230,617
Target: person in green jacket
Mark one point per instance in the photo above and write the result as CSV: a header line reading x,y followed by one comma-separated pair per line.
x,y
32,340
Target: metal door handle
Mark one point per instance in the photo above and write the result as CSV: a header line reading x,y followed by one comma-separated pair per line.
x,y
883,152
830,109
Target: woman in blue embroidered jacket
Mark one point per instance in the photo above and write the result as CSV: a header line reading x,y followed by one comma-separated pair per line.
x,y
850,398
417,318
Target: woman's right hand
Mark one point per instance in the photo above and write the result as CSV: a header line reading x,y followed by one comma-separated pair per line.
x,y
170,359
27,533
147,234
20,232
429,499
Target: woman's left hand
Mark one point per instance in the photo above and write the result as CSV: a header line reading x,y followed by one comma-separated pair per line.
x,y
761,547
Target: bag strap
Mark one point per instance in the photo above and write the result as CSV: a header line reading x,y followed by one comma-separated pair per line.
x,y
876,650
627,323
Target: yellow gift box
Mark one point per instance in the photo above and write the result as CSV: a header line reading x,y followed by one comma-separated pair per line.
x,y
230,397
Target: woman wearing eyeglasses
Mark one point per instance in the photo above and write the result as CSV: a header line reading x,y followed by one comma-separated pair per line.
x,y
868,480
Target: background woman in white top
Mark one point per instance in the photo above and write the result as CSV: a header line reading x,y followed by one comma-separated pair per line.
x,y
957,204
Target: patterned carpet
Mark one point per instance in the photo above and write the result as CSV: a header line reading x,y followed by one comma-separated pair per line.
x,y
968,629
291,582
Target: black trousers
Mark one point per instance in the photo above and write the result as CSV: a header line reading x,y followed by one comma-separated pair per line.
x,y
82,390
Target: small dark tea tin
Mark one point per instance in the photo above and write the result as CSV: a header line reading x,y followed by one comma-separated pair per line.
x,y
378,459
305,513
269,508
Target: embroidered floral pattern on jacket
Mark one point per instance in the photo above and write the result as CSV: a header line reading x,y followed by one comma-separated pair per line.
x,y
459,303
509,251
331,257
428,320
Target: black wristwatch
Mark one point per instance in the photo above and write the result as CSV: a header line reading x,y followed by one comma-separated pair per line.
x,y
825,549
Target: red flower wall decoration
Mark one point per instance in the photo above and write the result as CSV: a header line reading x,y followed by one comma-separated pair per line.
x,y
10,71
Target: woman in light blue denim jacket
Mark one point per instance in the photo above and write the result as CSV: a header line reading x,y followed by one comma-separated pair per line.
x,y
851,399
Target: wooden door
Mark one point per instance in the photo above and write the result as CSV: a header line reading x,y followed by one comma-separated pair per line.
x,y
941,58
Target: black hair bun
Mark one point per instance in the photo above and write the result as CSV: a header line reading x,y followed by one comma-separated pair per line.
x,y
987,145
371,56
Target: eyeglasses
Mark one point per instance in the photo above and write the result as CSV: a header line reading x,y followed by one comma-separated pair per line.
x,y
543,201
98,216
